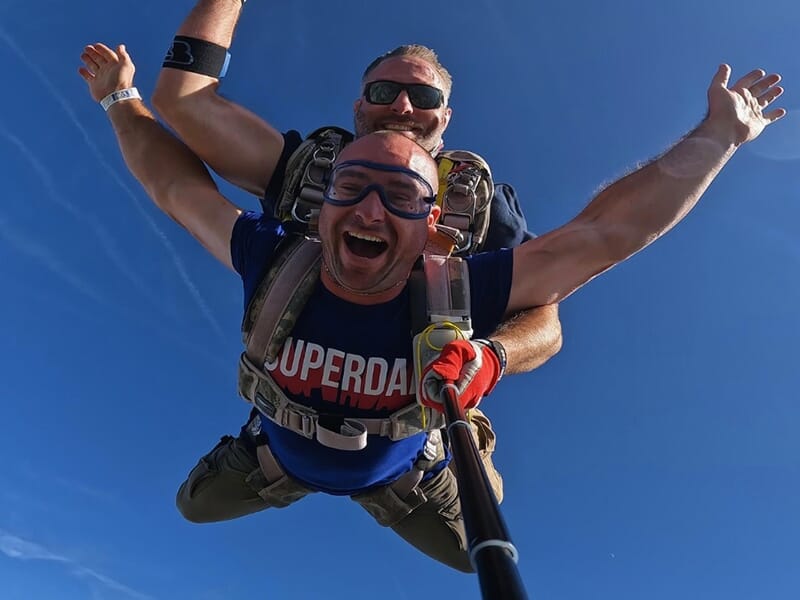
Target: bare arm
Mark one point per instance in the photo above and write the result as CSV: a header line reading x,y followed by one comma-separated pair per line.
x,y
172,176
236,143
530,338
639,208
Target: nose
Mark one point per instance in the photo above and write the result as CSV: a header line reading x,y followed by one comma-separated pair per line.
x,y
370,209
402,104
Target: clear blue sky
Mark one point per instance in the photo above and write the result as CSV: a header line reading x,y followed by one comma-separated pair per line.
x,y
655,457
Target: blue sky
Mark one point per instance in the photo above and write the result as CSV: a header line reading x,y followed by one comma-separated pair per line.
x,y
655,457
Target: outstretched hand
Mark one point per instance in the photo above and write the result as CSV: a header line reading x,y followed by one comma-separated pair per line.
x,y
740,112
106,71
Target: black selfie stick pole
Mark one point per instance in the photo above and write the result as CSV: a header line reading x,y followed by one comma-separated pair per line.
x,y
491,552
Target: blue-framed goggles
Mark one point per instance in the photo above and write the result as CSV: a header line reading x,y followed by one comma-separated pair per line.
x,y
404,193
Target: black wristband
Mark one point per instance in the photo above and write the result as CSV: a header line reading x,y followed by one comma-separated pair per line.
x,y
500,351
197,56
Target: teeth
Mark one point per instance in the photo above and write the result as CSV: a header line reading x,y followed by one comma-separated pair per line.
x,y
398,127
363,236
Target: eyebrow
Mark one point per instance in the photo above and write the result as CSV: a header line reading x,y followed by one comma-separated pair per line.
x,y
403,184
353,172
395,182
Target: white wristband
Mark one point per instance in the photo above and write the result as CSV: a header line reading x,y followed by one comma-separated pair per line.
x,y
127,94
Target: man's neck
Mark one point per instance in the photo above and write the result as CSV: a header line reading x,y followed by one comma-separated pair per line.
x,y
358,297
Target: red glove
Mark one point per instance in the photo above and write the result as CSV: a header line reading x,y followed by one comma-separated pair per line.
x,y
472,366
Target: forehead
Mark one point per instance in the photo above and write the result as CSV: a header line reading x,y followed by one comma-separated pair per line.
x,y
377,172
406,69
395,150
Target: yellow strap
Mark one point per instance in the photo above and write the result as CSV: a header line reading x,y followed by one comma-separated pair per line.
x,y
445,166
425,336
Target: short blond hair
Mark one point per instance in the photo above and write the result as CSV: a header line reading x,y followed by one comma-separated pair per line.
x,y
416,51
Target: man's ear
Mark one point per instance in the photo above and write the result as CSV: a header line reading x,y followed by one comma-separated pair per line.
x,y
433,216
448,113
357,105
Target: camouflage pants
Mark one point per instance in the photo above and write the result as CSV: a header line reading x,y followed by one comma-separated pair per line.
x,y
228,483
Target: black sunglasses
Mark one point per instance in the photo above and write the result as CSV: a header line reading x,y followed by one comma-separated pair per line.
x,y
421,96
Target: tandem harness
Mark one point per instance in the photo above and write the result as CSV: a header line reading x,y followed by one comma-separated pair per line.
x,y
465,192
285,290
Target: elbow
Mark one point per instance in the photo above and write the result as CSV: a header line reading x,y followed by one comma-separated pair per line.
x,y
168,102
550,338
176,103
556,344
160,195
170,194
164,192
556,338
165,95
535,338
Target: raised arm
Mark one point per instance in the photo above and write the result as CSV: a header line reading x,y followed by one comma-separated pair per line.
x,y
236,143
639,208
172,176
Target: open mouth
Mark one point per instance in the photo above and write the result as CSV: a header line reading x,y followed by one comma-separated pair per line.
x,y
363,245
399,126
409,128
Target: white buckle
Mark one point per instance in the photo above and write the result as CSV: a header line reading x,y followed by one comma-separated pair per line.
x,y
307,426
292,419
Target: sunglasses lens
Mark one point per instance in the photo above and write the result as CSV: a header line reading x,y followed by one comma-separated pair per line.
x,y
382,92
421,96
424,96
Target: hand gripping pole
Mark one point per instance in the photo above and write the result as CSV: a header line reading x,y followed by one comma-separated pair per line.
x,y
491,551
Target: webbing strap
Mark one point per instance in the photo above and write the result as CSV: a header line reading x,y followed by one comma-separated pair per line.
x,y
465,192
431,455
306,174
259,388
270,466
288,290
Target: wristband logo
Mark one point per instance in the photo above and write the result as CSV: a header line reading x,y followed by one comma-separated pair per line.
x,y
197,56
180,53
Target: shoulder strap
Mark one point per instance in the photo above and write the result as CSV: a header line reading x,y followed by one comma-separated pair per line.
x,y
307,173
465,193
440,291
288,286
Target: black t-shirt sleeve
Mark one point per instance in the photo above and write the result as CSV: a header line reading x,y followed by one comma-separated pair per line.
x,y
490,278
507,225
253,242
291,141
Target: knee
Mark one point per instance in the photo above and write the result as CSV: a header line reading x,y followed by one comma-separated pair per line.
x,y
192,509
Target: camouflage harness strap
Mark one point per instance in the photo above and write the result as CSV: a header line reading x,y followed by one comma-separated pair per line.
x,y
269,319
307,173
465,192
264,331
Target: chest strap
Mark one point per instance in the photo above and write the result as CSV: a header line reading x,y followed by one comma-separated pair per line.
x,y
332,431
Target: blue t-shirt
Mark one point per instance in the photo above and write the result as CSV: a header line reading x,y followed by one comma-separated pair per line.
x,y
354,360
